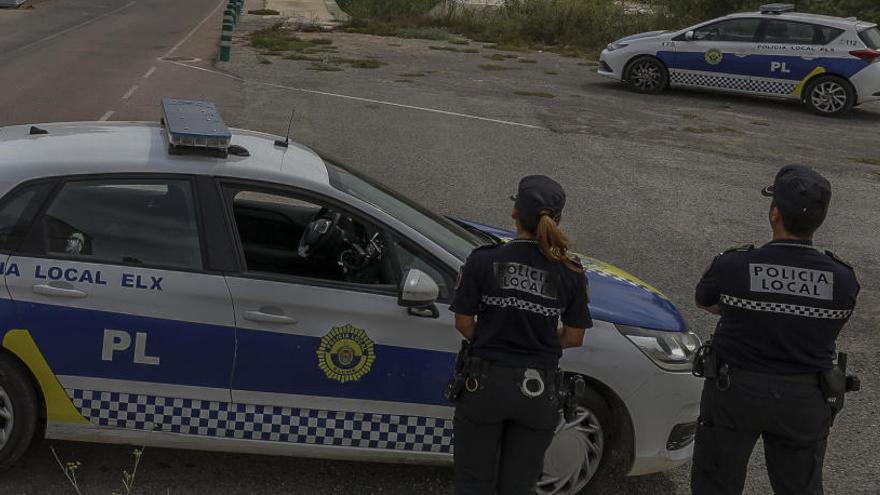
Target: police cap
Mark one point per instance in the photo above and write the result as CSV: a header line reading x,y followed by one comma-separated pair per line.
x,y
800,191
539,192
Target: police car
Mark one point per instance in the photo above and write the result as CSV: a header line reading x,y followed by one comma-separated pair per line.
x,y
829,63
188,286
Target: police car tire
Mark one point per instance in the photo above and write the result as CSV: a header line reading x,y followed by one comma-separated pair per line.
x,y
594,402
19,387
647,62
817,83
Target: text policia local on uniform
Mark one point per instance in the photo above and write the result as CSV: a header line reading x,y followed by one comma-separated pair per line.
x,y
779,279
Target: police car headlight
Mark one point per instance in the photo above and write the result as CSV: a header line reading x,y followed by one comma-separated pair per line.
x,y
671,351
617,45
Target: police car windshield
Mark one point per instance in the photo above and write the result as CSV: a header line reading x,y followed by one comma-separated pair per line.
x,y
446,233
871,37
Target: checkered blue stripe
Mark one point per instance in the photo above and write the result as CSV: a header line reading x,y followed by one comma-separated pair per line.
x,y
791,309
269,423
738,83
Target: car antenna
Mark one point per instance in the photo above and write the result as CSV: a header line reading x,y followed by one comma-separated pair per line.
x,y
286,142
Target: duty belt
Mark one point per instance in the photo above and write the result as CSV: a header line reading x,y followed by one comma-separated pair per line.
x,y
801,378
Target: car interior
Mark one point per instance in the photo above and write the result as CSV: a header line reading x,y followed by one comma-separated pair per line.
x,y
292,237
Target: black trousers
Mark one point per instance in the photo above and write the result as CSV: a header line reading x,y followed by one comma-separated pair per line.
x,y
501,435
790,415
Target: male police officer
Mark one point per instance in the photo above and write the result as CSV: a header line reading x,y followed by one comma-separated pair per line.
x,y
782,306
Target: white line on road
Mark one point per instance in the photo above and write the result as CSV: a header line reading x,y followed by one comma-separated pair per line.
x,y
106,116
198,26
149,72
71,29
130,92
366,100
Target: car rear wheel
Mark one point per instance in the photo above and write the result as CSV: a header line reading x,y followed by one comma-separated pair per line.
x,y
18,411
647,75
829,96
578,450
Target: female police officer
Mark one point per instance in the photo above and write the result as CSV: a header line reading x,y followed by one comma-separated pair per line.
x,y
508,303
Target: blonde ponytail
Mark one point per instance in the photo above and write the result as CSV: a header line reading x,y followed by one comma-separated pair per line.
x,y
552,242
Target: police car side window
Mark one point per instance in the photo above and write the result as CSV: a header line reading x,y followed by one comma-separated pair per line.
x,y
742,30
17,211
273,227
795,33
130,221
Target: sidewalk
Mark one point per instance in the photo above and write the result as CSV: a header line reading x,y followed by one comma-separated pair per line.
x,y
320,12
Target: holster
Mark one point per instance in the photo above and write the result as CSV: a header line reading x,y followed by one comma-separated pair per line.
x,y
463,363
836,383
706,362
569,390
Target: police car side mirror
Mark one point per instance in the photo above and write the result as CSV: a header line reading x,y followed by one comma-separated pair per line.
x,y
689,36
418,290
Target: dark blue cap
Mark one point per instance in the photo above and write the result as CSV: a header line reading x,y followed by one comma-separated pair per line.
x,y
539,192
800,190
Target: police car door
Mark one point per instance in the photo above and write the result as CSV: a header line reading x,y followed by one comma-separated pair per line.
x,y
112,286
790,53
325,351
716,55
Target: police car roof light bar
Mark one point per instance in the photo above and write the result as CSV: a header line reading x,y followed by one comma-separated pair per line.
x,y
777,8
195,127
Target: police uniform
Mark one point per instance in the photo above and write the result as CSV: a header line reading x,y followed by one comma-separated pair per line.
x,y
782,307
505,421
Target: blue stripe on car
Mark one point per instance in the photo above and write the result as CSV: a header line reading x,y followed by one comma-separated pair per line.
x,y
760,65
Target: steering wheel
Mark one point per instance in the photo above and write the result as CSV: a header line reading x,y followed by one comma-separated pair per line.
x,y
318,232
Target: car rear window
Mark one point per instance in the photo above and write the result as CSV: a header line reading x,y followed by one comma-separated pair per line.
x,y
871,37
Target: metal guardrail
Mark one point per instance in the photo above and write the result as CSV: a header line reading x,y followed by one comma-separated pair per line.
x,y
230,18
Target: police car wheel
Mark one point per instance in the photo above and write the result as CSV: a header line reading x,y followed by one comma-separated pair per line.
x,y
578,449
18,411
829,96
647,75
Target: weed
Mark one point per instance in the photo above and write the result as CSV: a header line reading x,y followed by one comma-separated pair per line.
x,y
430,33
497,57
412,74
365,64
320,41
540,94
69,469
454,49
298,56
263,12
277,39
865,160
317,66
272,53
403,80
459,41
395,44
264,60
494,67
527,61
551,73
760,122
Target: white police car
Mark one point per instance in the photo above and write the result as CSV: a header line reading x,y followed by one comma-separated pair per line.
x,y
273,301
829,63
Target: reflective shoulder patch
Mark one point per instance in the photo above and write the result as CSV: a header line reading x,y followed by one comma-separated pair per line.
x,y
842,262
740,249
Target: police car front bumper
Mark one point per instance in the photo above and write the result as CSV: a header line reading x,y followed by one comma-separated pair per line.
x,y
664,411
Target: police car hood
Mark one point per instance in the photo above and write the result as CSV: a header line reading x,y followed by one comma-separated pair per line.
x,y
640,36
615,295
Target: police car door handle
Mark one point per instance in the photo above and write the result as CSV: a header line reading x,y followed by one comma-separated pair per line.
x,y
268,315
59,289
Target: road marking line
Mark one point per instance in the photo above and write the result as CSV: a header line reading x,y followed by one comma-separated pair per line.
x,y
106,116
71,29
198,26
130,92
149,72
366,100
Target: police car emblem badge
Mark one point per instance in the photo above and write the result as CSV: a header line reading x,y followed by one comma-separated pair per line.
x,y
346,354
714,56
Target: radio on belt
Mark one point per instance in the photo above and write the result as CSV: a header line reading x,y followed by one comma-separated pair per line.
x,y
195,127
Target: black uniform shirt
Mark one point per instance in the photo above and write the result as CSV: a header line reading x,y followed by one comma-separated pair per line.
x,y
519,297
782,306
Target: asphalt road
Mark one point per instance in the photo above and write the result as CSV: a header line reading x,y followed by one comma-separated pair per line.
x,y
657,185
